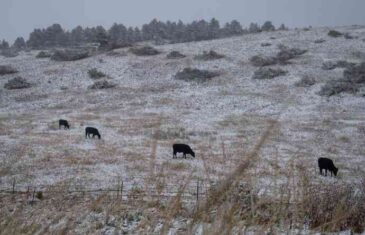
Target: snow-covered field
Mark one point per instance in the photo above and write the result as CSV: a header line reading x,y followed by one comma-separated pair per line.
x,y
149,110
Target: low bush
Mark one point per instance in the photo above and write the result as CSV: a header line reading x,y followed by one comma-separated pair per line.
x,y
334,34
17,83
352,81
285,54
189,74
69,55
355,74
268,73
104,84
39,195
118,45
260,61
44,54
175,55
305,81
209,55
9,53
266,44
318,41
116,53
144,51
348,36
330,65
96,74
7,69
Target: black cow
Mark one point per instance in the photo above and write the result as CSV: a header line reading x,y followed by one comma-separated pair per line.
x,y
91,131
182,148
327,164
63,123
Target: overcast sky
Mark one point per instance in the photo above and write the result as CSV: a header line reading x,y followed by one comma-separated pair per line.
x,y
20,17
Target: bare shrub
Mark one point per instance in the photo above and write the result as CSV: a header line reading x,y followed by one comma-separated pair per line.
x,y
359,55
353,80
266,44
336,207
189,74
285,54
355,74
9,53
209,55
268,73
144,51
330,65
338,86
69,55
334,34
17,83
260,61
7,69
319,41
44,54
95,74
306,81
175,55
348,36
116,53
103,84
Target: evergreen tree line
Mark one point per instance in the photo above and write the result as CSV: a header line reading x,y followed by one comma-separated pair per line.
x,y
118,34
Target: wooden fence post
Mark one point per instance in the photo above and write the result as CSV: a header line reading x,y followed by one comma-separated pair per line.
x,y
197,194
118,187
121,191
33,196
13,186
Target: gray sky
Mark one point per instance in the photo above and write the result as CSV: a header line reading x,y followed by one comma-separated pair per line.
x,y
20,17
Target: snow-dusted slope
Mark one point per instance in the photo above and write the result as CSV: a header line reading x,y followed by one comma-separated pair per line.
x,y
232,109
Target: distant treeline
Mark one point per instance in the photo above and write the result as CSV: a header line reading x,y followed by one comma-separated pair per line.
x,y
119,35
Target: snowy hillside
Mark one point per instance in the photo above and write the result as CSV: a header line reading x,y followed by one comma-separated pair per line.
x,y
149,110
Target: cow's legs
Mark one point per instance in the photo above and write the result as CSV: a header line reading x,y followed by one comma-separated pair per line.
x,y
326,171
320,171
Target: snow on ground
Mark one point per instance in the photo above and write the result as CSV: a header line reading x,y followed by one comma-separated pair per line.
x,y
148,104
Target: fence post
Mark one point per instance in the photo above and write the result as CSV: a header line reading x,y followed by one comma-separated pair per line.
x,y
118,187
33,196
121,191
13,186
197,194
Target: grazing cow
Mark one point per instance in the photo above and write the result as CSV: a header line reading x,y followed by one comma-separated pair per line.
x,y
63,123
182,148
327,164
91,131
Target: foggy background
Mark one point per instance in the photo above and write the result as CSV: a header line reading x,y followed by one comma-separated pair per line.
x,y
20,17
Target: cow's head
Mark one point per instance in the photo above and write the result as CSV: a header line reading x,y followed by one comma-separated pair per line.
x,y
335,170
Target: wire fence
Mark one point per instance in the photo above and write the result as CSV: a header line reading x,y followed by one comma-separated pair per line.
x,y
193,191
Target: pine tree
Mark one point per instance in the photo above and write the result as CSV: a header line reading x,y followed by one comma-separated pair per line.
x,y
36,39
19,43
214,29
77,36
268,26
254,28
4,45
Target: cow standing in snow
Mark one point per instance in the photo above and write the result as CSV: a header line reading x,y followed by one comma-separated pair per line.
x,y
327,164
182,148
